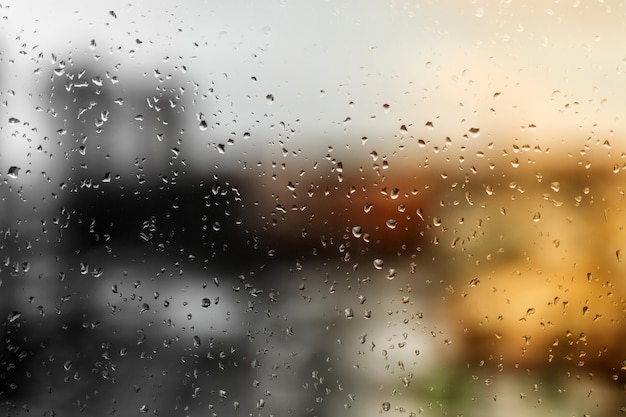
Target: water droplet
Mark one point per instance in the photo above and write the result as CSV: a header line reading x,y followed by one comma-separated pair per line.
x,y
536,217
196,341
348,313
13,120
391,223
206,303
386,406
216,226
391,274
203,125
357,231
474,282
13,171
378,263
474,132
14,316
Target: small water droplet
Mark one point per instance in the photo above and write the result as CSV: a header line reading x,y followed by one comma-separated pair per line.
x,y
386,406
556,186
206,302
474,282
378,263
392,223
14,316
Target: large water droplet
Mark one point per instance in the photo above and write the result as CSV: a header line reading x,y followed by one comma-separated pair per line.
x,y
13,172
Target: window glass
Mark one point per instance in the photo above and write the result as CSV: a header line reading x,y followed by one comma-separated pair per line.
x,y
312,208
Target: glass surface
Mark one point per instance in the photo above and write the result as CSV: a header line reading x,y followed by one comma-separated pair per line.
x,y
319,208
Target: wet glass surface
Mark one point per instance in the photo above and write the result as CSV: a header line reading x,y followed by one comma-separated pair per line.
x,y
310,209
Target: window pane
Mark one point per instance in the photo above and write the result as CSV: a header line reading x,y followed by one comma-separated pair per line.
x,y
320,208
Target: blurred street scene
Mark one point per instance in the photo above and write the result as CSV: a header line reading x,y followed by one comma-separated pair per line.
x,y
312,210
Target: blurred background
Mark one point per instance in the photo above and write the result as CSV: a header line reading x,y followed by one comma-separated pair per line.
x,y
280,208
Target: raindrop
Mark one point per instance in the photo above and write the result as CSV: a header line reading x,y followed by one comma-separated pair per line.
x,y
14,316
196,341
474,132
13,171
474,282
357,231
378,263
348,313
391,223
206,303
